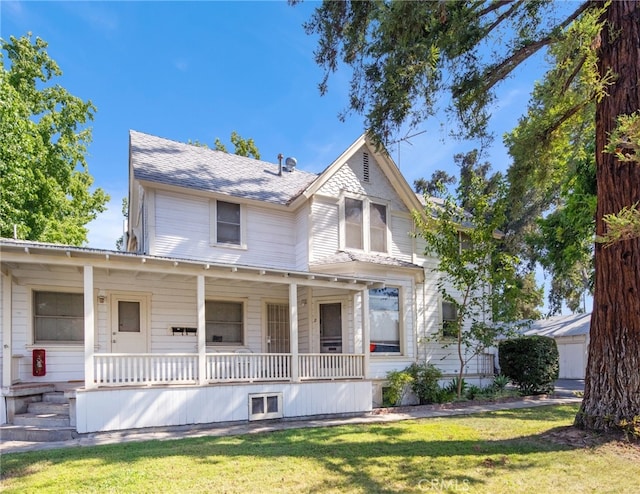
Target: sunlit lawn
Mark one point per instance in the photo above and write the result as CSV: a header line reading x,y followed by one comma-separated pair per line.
x,y
500,452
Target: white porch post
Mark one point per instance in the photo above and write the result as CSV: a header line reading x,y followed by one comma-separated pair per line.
x,y
89,328
293,330
366,338
202,337
7,343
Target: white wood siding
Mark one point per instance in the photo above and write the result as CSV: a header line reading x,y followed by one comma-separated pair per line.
x,y
117,409
182,230
302,238
401,238
325,226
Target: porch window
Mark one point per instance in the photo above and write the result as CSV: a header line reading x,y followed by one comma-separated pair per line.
x,y
224,322
449,320
58,317
353,223
384,314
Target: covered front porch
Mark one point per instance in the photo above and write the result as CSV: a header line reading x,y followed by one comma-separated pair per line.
x,y
236,339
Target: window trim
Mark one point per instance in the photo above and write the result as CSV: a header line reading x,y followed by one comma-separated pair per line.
x,y
213,225
366,223
32,342
245,304
401,338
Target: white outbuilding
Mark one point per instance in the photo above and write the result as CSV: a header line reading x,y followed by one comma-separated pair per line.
x,y
572,337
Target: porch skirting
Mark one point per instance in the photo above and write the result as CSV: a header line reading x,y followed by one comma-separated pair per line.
x,y
108,409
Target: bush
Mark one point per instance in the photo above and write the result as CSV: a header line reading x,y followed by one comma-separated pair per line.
x,y
397,383
425,382
530,362
474,392
500,382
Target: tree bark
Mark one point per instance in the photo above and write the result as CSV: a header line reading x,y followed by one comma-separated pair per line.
x,y
612,387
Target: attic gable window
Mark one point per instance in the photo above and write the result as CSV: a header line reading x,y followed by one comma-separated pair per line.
x,y
227,228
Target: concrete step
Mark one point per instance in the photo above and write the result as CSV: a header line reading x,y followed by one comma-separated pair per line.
x,y
36,434
42,420
40,407
56,397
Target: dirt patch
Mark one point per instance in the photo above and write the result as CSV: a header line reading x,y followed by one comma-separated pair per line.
x,y
580,438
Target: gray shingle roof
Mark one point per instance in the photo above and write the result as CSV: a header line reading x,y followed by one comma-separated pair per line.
x,y
159,160
343,257
571,325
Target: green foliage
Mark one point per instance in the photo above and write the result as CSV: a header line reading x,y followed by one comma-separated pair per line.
x,y
500,382
398,52
44,178
243,147
125,213
396,388
473,392
631,428
455,385
424,382
624,143
479,275
530,362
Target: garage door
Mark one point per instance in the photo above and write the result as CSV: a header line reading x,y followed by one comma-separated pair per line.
x,y
573,360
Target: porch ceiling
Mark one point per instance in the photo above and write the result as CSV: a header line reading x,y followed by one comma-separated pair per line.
x,y
17,255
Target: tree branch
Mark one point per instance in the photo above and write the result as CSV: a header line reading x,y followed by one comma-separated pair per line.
x,y
499,72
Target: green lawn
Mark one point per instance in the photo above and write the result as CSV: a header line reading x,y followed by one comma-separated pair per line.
x,y
526,450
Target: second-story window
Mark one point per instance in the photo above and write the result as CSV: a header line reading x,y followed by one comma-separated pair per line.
x,y
353,223
377,227
228,228
365,225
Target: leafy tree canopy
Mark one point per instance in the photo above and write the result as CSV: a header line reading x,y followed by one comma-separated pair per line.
x,y
404,55
44,178
242,147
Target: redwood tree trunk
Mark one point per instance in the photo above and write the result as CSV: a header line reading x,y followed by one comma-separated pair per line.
x,y
612,387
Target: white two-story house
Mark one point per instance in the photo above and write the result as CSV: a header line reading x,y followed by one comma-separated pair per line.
x,y
248,290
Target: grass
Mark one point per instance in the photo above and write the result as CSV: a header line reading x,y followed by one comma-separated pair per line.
x,y
526,450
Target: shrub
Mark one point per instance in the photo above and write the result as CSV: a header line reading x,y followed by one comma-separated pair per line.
x,y
500,382
530,362
396,389
452,387
473,392
425,382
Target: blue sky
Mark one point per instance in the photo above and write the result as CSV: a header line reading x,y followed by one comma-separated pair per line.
x,y
200,70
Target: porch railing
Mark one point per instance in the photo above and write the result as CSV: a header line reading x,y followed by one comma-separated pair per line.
x,y
136,369
228,367
330,366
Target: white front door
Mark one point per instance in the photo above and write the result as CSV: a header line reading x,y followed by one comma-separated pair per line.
x,y
128,323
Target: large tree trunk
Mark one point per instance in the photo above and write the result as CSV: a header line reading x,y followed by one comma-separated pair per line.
x,y
612,388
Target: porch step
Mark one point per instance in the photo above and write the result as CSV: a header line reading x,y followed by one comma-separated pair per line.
x,y
36,434
42,420
55,397
47,407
